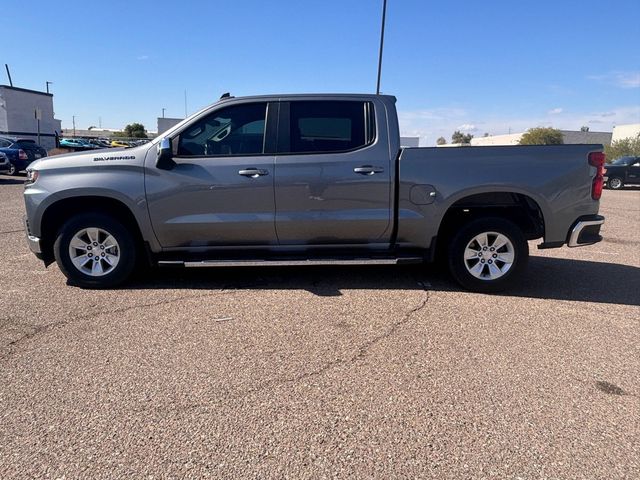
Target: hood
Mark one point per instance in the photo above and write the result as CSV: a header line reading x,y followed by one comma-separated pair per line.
x,y
90,158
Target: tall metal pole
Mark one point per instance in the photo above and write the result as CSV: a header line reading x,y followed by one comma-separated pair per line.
x,y
163,112
48,83
384,15
185,104
74,125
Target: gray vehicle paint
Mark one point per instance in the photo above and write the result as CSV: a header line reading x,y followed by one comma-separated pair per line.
x,y
313,200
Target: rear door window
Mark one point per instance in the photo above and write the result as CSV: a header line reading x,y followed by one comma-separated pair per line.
x,y
329,126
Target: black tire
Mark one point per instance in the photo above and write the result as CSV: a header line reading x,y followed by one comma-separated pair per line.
x,y
13,170
617,183
458,266
126,249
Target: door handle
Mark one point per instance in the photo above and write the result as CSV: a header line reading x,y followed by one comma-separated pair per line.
x,y
253,172
368,170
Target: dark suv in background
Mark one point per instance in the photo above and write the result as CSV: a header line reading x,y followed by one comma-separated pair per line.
x,y
21,152
623,171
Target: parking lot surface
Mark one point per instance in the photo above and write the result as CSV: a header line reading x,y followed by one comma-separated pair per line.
x,y
324,372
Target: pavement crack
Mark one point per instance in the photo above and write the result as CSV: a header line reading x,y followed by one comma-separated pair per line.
x,y
361,351
12,231
38,329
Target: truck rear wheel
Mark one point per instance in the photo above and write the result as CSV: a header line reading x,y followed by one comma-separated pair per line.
x,y
488,255
95,251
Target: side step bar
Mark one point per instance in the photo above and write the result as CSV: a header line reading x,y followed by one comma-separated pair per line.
x,y
289,263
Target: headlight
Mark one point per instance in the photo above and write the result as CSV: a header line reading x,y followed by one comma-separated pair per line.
x,y
32,176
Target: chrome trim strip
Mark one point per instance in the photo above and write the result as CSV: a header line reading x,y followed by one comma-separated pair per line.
x,y
289,263
575,232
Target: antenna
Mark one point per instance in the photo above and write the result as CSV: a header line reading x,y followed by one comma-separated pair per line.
x,y
384,15
8,74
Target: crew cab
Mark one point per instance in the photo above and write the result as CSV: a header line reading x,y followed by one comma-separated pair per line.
x,y
305,180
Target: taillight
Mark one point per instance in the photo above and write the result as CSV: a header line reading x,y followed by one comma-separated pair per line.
x,y
22,155
597,159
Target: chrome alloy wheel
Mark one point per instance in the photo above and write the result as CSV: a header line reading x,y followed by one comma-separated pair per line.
x,y
94,252
489,255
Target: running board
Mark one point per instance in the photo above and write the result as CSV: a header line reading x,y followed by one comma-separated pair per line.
x,y
290,263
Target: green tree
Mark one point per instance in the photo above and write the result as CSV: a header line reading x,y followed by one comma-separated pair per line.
x,y
459,137
133,130
621,148
542,136
441,141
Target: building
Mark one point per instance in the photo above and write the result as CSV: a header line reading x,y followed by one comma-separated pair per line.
x,y
569,136
409,141
28,114
165,123
622,132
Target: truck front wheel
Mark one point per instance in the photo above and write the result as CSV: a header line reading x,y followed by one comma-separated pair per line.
x,y
488,255
95,251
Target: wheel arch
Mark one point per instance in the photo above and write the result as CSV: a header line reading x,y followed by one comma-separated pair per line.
x,y
520,208
61,210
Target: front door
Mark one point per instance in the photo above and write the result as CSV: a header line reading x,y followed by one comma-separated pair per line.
x,y
333,174
221,190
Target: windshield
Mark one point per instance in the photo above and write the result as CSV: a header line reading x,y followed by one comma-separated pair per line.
x,y
622,161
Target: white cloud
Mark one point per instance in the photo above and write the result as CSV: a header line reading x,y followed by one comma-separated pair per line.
x,y
429,125
619,79
468,127
142,57
555,111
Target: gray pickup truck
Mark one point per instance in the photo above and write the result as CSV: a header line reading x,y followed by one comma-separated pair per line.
x,y
305,180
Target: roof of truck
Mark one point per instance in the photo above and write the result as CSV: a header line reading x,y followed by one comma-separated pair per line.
x,y
306,95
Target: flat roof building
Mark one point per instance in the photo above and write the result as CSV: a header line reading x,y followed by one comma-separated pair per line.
x,y
569,137
28,114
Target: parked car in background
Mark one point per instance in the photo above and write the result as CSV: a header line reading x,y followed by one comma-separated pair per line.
x,y
119,143
4,163
76,144
622,171
99,143
21,152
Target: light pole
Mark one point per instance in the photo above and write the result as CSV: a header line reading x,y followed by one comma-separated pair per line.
x,y
74,125
163,112
384,15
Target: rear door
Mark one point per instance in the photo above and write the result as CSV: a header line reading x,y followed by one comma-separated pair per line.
x,y
220,192
332,173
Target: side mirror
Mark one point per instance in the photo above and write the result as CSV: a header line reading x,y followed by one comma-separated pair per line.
x,y
165,155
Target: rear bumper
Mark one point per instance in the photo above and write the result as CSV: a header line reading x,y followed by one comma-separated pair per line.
x,y
585,231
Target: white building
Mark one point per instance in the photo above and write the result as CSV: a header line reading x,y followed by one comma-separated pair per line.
x,y
569,137
165,123
24,113
409,141
620,132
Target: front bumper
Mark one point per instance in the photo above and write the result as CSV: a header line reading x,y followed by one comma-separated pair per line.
x,y
33,242
585,231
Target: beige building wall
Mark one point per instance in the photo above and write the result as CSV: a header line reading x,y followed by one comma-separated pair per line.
x,y
570,137
620,132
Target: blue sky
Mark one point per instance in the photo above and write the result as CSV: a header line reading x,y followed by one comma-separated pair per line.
x,y
477,66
